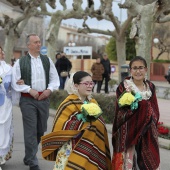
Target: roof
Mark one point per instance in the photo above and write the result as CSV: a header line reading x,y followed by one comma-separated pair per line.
x,y
16,8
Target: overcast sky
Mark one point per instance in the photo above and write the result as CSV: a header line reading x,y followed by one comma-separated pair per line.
x,y
93,23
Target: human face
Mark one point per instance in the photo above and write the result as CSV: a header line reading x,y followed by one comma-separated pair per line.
x,y
98,60
58,56
138,70
85,87
34,44
105,57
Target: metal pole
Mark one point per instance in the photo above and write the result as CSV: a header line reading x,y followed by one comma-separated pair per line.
x,y
82,63
120,10
43,31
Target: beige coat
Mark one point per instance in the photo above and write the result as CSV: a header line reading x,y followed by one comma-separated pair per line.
x,y
97,70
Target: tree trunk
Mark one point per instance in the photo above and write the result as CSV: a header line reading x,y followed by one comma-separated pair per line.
x,y
10,41
52,37
144,34
121,53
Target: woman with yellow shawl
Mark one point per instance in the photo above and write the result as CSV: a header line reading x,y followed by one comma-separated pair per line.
x,y
77,143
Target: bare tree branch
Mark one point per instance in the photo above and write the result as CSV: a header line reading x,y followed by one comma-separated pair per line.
x,y
92,30
163,18
63,3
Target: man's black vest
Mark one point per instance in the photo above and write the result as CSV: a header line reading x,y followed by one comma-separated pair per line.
x,y
25,67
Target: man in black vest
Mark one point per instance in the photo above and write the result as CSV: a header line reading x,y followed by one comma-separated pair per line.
x,y
41,78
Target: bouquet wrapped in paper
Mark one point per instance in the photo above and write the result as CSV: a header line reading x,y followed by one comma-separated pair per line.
x,y
89,112
129,99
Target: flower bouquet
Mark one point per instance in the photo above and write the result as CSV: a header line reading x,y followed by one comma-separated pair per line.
x,y
0,80
161,129
129,99
89,112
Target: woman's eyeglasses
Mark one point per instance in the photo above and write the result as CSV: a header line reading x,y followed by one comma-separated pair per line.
x,y
140,68
87,84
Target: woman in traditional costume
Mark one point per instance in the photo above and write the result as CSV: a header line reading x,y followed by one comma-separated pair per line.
x,y
76,142
6,126
135,136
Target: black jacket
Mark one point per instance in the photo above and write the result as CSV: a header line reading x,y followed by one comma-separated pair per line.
x,y
63,64
106,65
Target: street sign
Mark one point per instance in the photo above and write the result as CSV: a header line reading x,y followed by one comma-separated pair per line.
x,y
78,50
43,50
113,69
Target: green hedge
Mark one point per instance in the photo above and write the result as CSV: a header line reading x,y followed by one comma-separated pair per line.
x,y
106,102
161,61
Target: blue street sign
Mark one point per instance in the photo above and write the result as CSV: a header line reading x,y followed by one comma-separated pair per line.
x,y
43,50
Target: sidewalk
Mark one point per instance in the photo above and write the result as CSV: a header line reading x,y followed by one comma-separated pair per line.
x,y
161,84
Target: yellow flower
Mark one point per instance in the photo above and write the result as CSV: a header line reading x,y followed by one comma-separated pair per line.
x,y
92,109
126,99
89,112
0,80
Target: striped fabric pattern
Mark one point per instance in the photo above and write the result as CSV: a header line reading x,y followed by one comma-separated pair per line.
x,y
90,151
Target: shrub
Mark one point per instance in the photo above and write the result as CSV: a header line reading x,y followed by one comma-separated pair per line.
x,y
112,84
107,103
166,93
161,61
57,97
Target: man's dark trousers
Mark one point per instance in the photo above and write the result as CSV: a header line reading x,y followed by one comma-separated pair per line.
x,y
35,115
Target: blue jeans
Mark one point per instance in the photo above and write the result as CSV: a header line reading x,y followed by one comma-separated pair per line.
x,y
62,82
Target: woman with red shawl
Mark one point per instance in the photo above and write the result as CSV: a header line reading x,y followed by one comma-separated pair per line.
x,y
135,136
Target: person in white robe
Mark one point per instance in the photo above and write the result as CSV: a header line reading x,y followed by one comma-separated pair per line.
x,y
6,126
6,118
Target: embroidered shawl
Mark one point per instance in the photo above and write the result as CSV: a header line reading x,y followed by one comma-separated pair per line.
x,y
91,150
139,128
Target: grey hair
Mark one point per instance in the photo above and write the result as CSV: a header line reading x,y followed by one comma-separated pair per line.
x,y
28,37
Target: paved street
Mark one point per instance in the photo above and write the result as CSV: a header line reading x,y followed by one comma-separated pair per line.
x,y
16,162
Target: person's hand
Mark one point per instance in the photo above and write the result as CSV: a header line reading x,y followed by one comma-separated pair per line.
x,y
34,93
20,82
45,94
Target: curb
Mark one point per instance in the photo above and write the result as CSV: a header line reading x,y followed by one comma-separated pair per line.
x,y
164,143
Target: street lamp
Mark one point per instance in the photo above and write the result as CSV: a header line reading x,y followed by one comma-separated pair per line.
x,y
71,44
156,40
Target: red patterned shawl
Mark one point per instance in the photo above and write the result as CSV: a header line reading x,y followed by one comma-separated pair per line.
x,y
139,128
90,151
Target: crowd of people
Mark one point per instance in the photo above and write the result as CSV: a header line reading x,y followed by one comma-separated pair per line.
x,y
78,138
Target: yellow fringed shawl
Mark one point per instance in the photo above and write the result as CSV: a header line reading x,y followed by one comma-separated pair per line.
x,y
91,152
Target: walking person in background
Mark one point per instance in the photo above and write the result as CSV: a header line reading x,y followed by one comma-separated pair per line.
x,y
135,135
97,70
63,66
77,143
41,78
107,71
58,56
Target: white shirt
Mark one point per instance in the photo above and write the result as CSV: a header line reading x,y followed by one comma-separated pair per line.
x,y
38,80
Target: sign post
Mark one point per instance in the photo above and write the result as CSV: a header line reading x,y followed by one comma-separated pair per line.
x,y
79,51
43,50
